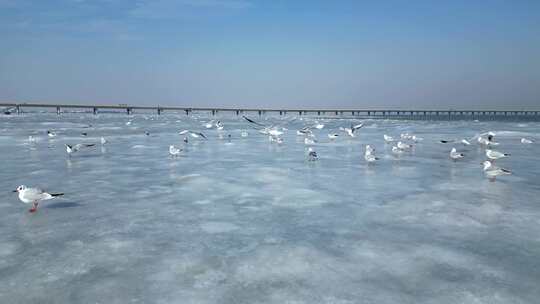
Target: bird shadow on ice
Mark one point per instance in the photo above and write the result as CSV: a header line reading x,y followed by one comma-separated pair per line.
x,y
63,205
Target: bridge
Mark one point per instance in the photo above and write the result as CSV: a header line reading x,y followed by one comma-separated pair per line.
x,y
18,108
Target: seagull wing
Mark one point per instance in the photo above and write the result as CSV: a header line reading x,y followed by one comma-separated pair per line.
x,y
253,122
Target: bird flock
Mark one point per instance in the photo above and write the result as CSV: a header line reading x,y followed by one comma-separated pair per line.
x,y
399,145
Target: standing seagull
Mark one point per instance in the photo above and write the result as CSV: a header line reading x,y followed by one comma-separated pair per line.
x,y
492,154
34,196
174,151
492,172
368,155
455,155
72,149
403,146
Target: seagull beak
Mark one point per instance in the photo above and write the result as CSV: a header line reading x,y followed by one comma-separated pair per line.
x,y
14,191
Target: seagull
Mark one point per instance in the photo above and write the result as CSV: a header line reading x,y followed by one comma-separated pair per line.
x,y
275,139
84,134
31,139
51,134
370,158
396,150
463,141
333,136
128,123
526,141
455,155
219,125
275,132
304,132
72,149
319,126
186,139
173,151
244,134
487,141
492,172
34,196
193,134
209,124
405,136
146,133
312,155
309,141
388,139
403,146
492,154
103,140
369,149
350,131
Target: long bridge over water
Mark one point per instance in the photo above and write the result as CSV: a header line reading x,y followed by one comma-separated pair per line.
x,y
18,108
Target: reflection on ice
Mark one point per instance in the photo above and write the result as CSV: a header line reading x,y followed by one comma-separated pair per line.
x,y
250,221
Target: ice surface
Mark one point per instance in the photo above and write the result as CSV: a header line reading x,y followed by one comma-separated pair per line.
x,y
250,221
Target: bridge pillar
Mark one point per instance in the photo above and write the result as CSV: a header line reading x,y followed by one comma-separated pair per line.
x,y
57,110
237,112
159,111
95,110
213,112
128,110
300,113
260,113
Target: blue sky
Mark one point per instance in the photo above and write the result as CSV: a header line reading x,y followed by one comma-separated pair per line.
x,y
230,53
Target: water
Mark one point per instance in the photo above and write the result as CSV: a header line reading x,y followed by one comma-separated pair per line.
x,y
249,221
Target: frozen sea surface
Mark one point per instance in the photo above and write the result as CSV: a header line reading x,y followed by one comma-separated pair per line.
x,y
250,221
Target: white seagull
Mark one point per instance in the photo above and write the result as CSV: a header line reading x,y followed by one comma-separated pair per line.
x,y
51,134
403,146
244,134
369,149
103,140
333,136
492,172
396,150
388,139
209,124
350,131
174,151
526,141
455,155
34,196
492,154
370,158
72,149
309,141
